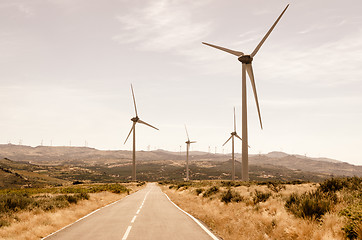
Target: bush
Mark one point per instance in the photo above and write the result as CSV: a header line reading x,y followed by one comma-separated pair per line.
x,y
231,196
311,205
184,185
260,196
71,198
76,182
3,223
14,202
140,184
275,186
230,184
211,191
353,228
332,185
199,191
83,195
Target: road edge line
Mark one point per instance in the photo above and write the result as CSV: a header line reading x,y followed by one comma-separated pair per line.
x,y
89,214
195,220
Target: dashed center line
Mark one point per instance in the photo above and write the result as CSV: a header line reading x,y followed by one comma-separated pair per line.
x,y
126,233
125,236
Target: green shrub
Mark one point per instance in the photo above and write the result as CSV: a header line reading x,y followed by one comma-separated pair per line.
x,y
337,184
231,196
84,196
275,186
199,191
71,198
211,191
260,196
184,185
14,202
3,223
140,184
311,205
332,185
229,184
353,227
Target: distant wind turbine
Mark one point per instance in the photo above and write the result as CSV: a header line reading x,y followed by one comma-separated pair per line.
x,y
246,61
135,120
188,143
233,134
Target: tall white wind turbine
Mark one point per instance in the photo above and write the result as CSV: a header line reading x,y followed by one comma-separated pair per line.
x,y
188,143
246,61
135,120
233,135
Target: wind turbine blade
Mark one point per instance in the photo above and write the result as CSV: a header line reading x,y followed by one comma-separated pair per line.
x,y
268,33
134,101
236,135
234,121
227,140
130,132
236,53
193,142
188,139
249,69
140,121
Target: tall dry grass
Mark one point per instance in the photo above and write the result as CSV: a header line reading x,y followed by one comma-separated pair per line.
x,y
264,220
36,224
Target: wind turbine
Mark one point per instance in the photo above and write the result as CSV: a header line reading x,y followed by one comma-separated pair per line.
x,y
246,61
188,142
233,134
135,120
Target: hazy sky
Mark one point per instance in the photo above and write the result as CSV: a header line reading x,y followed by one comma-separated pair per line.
x,y
67,66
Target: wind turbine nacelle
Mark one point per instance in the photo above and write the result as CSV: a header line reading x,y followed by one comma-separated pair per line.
x,y
247,59
135,119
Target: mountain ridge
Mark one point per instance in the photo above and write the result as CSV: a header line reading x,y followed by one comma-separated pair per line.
x,y
84,156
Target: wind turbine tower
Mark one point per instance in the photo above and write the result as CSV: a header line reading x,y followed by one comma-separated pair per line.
x,y
233,135
188,143
246,61
135,120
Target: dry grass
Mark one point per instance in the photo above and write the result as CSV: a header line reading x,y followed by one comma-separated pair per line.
x,y
265,220
36,224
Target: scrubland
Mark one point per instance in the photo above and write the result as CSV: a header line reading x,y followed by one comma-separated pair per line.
x,y
33,213
274,210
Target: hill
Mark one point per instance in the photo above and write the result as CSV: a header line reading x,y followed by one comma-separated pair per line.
x,y
72,164
18,174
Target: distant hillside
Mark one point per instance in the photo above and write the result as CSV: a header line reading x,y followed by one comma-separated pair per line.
x,y
96,165
17,174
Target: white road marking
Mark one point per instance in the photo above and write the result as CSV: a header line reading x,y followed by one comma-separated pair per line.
x,y
84,217
134,218
125,236
197,221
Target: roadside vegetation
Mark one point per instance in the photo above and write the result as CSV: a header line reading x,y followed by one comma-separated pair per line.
x,y
32,213
274,210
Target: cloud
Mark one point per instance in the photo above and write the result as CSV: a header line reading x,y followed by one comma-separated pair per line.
x,y
329,64
162,26
20,7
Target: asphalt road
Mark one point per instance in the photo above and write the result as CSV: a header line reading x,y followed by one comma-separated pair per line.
x,y
146,214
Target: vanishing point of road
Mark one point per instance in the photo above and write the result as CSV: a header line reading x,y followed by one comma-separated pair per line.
x,y
146,214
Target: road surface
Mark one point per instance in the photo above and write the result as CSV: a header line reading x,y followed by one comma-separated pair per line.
x,y
146,214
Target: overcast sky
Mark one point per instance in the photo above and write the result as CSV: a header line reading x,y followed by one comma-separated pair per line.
x,y
67,66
